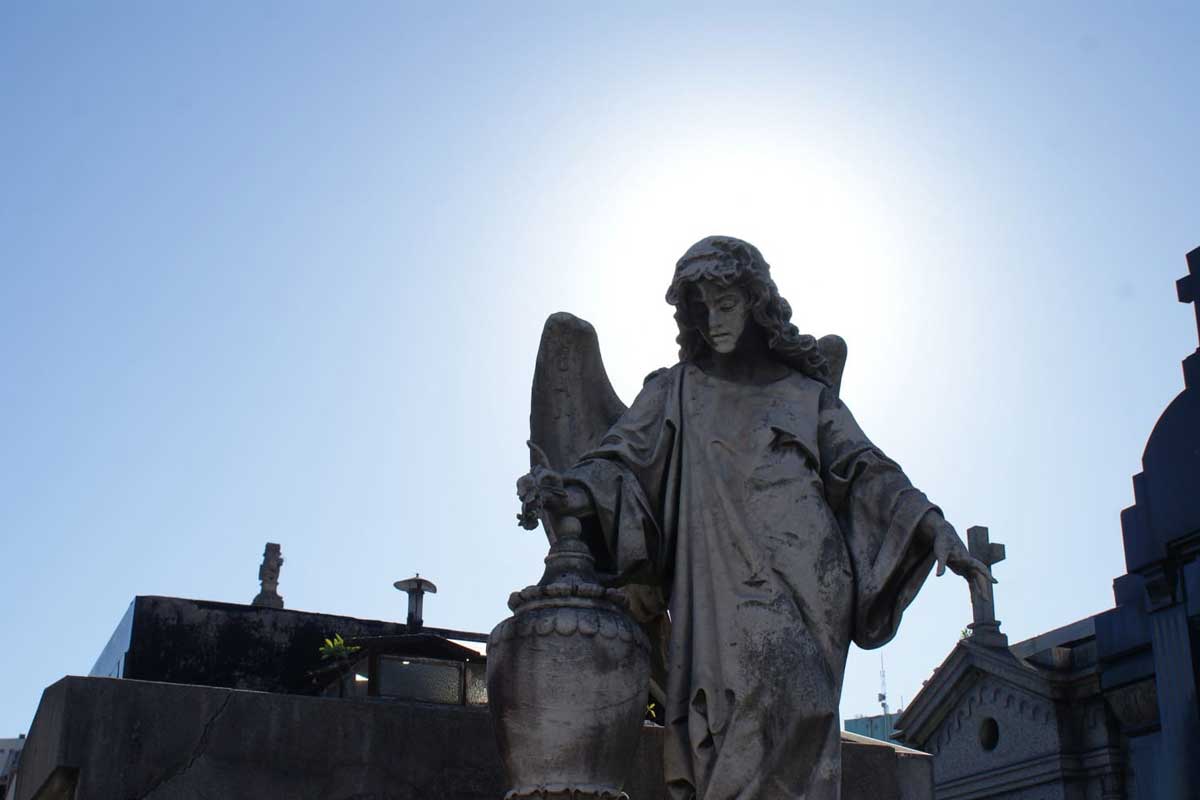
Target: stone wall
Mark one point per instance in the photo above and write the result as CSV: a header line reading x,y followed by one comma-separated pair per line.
x,y
106,738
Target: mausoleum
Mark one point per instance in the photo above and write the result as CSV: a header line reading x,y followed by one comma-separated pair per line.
x,y
1104,707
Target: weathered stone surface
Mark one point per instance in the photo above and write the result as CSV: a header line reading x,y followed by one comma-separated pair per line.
x,y
110,739
572,402
138,740
741,493
568,681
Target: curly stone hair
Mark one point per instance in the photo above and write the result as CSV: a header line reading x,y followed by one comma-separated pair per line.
x,y
732,262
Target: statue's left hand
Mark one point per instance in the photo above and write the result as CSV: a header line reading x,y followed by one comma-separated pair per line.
x,y
950,551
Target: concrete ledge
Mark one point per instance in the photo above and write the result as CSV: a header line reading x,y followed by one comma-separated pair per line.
x,y
108,738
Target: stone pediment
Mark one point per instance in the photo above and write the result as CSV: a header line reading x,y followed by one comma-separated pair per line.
x,y
991,722
993,728
961,676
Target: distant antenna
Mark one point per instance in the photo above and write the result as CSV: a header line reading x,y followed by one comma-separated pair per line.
x,y
883,688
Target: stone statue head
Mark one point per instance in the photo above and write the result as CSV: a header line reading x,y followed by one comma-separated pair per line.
x,y
726,261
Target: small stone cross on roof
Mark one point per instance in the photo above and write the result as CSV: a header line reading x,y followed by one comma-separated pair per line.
x,y
986,628
1188,287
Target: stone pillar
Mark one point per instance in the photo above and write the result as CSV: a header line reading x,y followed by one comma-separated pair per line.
x,y
1142,761
1178,775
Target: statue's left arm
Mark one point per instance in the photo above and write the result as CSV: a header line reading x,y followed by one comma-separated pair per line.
x,y
888,524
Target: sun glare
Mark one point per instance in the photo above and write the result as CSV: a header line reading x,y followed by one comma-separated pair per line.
x,y
835,254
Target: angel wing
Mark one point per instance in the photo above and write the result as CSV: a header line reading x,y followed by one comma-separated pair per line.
x,y
573,405
833,347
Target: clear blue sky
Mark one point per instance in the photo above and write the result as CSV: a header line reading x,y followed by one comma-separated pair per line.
x,y
278,271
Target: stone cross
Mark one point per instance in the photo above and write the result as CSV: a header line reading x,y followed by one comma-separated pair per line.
x,y
986,628
1188,287
268,576
1188,290
415,588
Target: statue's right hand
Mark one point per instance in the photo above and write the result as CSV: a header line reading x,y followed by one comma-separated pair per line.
x,y
541,489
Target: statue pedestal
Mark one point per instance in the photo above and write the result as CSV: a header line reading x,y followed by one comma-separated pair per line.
x,y
568,681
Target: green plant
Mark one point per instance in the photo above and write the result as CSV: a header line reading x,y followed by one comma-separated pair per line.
x,y
336,648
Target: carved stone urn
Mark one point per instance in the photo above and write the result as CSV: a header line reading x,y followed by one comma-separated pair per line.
x,y
568,676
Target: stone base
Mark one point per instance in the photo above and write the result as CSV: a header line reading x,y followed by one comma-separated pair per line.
x,y
106,738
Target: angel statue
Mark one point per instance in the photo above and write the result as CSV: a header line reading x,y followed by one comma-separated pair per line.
x,y
755,528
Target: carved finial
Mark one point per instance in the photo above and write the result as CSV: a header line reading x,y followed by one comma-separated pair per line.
x,y
415,588
986,628
268,576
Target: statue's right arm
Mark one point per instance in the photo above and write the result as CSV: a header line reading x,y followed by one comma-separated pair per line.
x,y
627,453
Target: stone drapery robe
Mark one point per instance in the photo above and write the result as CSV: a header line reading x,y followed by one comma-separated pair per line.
x,y
778,534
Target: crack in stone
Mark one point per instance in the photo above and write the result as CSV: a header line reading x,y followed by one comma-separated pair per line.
x,y
197,751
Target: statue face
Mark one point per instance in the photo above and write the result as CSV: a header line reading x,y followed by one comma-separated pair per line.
x,y
720,313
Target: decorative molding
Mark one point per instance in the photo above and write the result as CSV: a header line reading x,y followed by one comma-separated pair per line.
x,y
563,791
569,621
560,591
988,696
